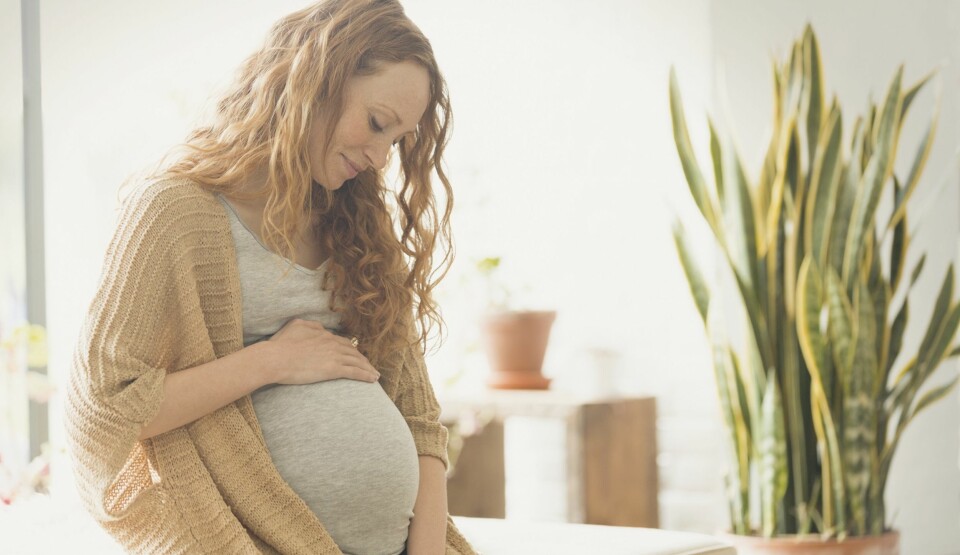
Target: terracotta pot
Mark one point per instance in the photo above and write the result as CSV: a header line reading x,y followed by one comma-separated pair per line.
x,y
886,544
516,342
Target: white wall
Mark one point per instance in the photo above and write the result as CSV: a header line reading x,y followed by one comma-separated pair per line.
x,y
12,269
14,443
862,43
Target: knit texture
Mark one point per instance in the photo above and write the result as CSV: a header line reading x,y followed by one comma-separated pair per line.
x,y
169,299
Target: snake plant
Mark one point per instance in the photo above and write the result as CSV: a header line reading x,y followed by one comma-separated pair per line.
x,y
817,393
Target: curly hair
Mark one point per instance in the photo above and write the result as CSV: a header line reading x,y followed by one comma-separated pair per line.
x,y
381,267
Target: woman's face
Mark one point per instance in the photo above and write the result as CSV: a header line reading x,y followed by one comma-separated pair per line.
x,y
378,110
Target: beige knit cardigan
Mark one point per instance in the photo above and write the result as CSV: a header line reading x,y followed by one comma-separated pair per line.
x,y
169,299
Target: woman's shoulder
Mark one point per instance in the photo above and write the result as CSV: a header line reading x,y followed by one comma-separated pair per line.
x,y
173,207
167,190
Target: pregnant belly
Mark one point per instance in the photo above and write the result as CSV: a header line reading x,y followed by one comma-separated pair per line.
x,y
346,450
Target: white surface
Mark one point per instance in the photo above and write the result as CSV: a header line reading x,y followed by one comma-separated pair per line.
x,y
515,537
41,527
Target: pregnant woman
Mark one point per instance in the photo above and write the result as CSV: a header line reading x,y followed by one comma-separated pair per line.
x,y
250,376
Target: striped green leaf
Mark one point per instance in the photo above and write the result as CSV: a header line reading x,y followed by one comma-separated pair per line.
x,y
810,324
739,475
917,270
898,252
773,457
843,327
825,183
698,287
691,169
780,182
859,411
813,75
913,178
934,395
912,92
870,187
897,329
930,360
716,155
739,222
935,327
846,198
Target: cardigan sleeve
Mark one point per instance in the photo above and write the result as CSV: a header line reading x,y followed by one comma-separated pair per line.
x,y
418,405
121,358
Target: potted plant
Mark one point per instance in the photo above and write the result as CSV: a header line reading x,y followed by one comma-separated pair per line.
x,y
817,393
515,340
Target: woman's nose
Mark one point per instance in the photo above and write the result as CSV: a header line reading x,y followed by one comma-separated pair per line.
x,y
377,154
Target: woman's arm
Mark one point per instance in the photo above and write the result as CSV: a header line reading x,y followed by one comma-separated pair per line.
x,y
417,403
195,392
301,352
428,528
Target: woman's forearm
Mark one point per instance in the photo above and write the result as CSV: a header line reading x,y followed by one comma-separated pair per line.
x,y
195,392
428,528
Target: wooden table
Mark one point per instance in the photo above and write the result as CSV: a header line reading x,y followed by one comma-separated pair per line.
x,y
610,449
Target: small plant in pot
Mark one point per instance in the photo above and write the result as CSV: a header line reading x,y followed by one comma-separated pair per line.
x,y
817,393
515,340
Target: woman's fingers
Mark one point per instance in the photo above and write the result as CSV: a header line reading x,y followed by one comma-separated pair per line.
x,y
324,355
343,341
338,338
365,372
371,377
356,359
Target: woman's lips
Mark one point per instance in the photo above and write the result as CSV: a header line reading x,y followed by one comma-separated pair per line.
x,y
351,169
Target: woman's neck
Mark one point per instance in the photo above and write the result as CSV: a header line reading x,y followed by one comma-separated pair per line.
x,y
254,183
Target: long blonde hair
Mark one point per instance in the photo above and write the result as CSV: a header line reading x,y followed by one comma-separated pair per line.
x,y
381,269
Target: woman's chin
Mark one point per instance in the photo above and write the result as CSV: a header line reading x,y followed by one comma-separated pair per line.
x,y
327,187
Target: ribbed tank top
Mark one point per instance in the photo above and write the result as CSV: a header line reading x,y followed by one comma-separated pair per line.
x,y
341,444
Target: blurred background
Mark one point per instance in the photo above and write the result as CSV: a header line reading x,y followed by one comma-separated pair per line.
x,y
563,165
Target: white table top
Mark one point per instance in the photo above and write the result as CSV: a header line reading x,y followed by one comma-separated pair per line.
x,y
38,526
513,537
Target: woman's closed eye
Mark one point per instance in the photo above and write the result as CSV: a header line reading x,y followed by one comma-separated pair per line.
x,y
377,128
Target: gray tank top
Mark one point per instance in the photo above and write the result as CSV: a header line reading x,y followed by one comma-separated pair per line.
x,y
341,444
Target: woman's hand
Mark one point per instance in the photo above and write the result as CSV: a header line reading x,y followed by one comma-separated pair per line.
x,y
306,353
